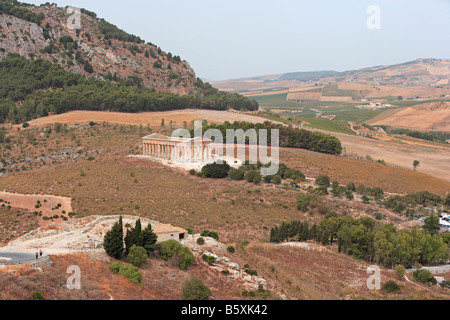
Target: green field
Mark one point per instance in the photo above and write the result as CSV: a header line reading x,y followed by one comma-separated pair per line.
x,y
339,126
276,101
332,90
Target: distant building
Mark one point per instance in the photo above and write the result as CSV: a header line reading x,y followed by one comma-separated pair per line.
x,y
168,232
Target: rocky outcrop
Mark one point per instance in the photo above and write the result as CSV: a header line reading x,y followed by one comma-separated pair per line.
x,y
155,68
223,264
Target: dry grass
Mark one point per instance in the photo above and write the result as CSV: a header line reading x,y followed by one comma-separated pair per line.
x,y
145,188
429,116
344,170
145,118
14,223
306,274
160,281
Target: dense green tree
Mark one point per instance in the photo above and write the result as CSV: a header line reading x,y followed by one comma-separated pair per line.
x,y
137,256
134,236
113,240
323,181
149,239
303,202
425,276
216,170
432,225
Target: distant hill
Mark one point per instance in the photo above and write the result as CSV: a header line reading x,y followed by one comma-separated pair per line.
x,y
307,75
420,72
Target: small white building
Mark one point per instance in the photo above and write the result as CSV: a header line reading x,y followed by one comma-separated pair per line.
x,y
168,232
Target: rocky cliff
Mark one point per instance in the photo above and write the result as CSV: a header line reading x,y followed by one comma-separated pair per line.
x,y
97,49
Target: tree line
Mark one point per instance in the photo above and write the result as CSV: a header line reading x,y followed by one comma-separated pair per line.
x,y
290,137
25,94
438,136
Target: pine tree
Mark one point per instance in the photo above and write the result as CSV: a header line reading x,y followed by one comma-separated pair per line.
x,y
113,240
149,239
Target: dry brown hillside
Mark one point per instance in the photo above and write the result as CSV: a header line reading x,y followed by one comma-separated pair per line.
x,y
429,116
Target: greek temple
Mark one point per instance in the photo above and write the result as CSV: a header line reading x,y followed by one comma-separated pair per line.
x,y
196,150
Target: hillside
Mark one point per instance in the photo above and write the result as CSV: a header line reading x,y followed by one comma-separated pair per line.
x,y
46,68
419,73
86,168
429,116
98,49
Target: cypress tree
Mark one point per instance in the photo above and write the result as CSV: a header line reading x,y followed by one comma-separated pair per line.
x,y
134,237
113,240
149,239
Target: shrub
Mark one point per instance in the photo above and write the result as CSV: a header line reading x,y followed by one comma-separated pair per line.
x,y
204,233
210,260
400,271
391,287
351,186
132,273
137,256
36,295
425,276
323,181
25,125
276,179
231,249
253,176
349,195
195,289
170,248
236,174
214,235
303,202
251,272
215,170
201,241
115,267
193,172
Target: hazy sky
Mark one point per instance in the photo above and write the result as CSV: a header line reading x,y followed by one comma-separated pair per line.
x,y
224,39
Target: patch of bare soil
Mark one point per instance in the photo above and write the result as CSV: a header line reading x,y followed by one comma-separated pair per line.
x,y
146,118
